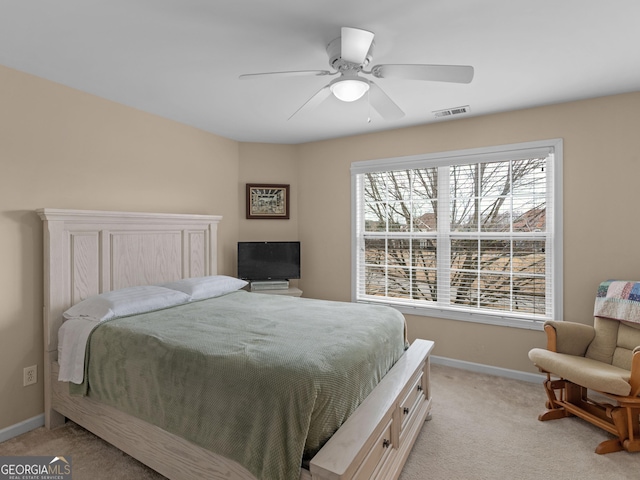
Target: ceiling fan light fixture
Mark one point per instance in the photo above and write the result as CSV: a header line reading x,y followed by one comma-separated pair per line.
x,y
349,90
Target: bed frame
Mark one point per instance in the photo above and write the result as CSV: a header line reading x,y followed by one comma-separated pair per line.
x,y
90,252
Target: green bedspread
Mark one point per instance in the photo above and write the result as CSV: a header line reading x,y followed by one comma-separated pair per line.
x,y
261,379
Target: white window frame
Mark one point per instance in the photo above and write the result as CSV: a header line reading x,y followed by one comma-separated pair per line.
x,y
554,234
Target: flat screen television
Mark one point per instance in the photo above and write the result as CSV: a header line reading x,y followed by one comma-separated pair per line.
x,y
268,260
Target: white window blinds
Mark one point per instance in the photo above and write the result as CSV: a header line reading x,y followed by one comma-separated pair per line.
x,y
471,235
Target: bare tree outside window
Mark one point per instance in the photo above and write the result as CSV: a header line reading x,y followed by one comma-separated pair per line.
x,y
493,212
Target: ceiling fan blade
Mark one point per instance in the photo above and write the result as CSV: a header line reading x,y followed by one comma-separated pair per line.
x,y
355,44
434,73
301,73
319,97
382,104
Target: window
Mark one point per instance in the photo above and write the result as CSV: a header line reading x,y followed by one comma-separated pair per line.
x,y
470,235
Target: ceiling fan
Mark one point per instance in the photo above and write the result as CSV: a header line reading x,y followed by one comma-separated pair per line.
x,y
349,55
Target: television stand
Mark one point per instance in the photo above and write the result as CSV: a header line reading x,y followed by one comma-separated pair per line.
x,y
291,292
269,285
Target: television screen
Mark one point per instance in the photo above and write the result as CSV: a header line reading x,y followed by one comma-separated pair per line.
x,y
268,260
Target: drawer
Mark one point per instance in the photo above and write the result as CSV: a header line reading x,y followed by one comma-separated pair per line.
x,y
411,400
376,457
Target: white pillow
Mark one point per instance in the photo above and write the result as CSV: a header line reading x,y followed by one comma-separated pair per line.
x,y
199,288
126,301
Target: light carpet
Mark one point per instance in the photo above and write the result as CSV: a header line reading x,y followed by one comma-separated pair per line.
x,y
482,427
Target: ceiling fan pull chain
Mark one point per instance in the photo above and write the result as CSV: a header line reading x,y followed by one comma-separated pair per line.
x,y
369,104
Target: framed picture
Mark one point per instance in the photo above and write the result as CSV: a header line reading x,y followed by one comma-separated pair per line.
x,y
267,201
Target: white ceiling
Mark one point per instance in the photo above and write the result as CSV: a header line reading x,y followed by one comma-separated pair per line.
x,y
181,59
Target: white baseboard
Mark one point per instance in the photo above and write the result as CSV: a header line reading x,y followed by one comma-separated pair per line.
x,y
22,427
488,369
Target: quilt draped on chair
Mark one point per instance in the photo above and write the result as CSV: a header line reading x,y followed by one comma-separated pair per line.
x,y
619,300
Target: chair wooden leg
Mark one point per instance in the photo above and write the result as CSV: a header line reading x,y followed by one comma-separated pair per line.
x,y
632,444
554,409
609,446
625,420
618,417
553,414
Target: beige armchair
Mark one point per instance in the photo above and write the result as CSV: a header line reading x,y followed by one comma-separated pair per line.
x,y
604,358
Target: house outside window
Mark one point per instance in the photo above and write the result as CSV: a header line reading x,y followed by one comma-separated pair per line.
x,y
470,235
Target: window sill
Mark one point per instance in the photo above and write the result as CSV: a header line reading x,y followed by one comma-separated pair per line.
x,y
464,316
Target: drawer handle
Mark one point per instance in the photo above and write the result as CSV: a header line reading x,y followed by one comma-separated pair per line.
x,y
406,410
386,443
419,387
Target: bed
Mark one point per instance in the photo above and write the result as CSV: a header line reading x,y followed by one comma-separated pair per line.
x,y
90,252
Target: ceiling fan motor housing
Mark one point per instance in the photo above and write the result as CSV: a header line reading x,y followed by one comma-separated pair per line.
x,y
334,50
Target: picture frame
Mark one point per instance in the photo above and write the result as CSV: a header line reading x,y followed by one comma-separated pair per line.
x,y
267,201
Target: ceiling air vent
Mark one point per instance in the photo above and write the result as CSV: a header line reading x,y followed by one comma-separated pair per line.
x,y
451,111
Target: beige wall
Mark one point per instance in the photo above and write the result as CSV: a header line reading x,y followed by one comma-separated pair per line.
x,y
61,148
601,172
268,163
271,164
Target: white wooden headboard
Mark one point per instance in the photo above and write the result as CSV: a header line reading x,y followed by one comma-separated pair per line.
x,y
87,252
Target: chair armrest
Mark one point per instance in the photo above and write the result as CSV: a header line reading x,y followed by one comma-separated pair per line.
x,y
569,337
634,379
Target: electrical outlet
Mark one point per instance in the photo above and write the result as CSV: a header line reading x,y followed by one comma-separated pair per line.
x,y
30,375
